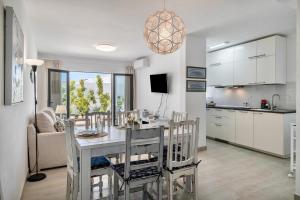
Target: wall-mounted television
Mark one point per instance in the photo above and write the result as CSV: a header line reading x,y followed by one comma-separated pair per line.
x,y
159,83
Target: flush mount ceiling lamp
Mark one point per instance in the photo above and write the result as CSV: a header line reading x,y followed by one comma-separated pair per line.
x,y
106,47
218,45
164,31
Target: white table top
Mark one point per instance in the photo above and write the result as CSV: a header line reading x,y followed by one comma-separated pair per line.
x,y
115,136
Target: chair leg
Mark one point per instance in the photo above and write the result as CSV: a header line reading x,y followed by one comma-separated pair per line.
x,y
100,186
116,187
195,184
170,187
75,187
188,183
110,186
159,188
68,189
127,191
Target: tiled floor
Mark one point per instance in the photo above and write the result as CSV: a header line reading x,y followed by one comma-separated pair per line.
x,y
226,173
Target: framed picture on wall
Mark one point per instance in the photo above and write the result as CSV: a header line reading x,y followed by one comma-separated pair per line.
x,y
196,72
195,86
14,58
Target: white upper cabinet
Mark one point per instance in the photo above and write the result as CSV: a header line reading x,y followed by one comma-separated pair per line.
x,y
266,46
245,64
220,67
271,60
253,63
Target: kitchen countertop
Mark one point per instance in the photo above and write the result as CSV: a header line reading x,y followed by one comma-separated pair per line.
x,y
278,111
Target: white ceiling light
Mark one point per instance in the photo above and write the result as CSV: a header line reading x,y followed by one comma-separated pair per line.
x,y
164,31
218,45
105,47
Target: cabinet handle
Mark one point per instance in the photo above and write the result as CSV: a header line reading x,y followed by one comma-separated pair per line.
x,y
215,64
219,110
218,124
231,110
258,113
261,55
243,111
219,117
252,57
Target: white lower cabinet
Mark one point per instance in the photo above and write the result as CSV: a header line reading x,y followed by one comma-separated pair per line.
x,y
244,128
271,132
221,124
267,132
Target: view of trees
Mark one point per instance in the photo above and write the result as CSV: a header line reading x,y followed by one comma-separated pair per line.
x,y
83,100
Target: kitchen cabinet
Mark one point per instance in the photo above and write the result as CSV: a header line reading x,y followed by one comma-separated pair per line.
x,y
221,124
244,128
220,68
271,132
254,63
266,70
271,60
245,64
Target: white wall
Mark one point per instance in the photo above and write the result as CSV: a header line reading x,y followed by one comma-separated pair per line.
x,y
73,64
14,119
159,64
191,53
195,101
253,94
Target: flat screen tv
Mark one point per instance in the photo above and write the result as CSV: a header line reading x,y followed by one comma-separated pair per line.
x,y
159,83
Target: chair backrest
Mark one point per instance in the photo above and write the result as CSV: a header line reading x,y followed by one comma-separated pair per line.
x,y
144,141
122,117
179,116
91,119
183,143
71,146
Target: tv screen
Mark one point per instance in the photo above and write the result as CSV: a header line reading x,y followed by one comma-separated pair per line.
x,y
159,83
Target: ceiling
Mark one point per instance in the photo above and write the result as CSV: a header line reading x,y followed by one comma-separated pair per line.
x,y
72,27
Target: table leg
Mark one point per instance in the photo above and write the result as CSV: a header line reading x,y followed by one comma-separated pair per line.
x,y
85,174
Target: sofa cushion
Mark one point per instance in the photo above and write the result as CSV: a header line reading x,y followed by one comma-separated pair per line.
x,y
59,126
45,123
51,113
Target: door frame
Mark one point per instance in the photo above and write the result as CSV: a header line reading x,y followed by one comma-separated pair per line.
x,y
114,93
68,88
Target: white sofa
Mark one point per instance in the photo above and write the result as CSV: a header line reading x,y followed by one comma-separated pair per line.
x,y
51,144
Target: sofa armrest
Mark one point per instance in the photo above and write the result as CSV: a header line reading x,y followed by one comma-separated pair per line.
x,y
51,149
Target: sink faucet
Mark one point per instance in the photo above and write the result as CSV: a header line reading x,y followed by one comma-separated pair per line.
x,y
273,106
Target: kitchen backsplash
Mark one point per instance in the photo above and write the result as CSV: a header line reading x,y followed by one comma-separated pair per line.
x,y
253,95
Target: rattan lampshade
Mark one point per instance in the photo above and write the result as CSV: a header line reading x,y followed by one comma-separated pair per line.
x,y
164,32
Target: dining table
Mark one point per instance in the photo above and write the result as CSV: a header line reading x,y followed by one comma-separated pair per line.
x,y
113,142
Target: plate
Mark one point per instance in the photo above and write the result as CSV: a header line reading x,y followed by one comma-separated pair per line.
x,y
87,133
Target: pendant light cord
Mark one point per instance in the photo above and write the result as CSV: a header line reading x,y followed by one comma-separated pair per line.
x,y
164,4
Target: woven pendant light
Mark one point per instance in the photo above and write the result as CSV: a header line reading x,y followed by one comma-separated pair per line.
x,y
164,32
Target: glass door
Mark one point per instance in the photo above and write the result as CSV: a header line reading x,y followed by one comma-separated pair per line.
x,y
58,88
122,94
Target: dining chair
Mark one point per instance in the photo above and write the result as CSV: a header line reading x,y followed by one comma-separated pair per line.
x,y
122,117
138,174
100,165
179,116
181,159
92,118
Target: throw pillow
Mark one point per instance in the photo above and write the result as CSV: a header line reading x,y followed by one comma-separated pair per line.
x,y
59,126
45,123
51,113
